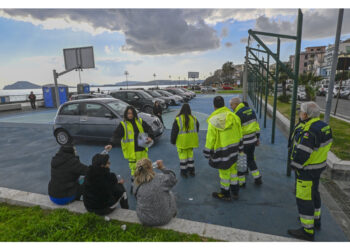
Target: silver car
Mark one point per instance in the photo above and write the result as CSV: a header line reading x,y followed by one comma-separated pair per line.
x,y
95,119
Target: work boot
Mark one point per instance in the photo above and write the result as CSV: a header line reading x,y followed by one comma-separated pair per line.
x,y
234,192
317,224
301,234
183,173
258,181
191,172
223,195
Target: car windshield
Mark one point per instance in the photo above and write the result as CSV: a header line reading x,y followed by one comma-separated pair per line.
x,y
154,93
145,95
165,92
119,107
177,91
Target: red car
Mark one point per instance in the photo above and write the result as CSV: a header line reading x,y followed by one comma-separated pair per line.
x,y
227,88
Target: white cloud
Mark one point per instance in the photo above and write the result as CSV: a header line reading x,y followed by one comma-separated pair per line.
x,y
109,49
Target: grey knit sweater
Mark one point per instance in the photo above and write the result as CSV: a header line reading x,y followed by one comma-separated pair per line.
x,y
155,202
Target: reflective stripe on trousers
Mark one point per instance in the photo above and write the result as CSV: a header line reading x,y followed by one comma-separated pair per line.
x,y
186,158
228,177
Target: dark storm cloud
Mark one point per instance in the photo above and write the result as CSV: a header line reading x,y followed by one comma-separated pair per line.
x,y
317,24
147,31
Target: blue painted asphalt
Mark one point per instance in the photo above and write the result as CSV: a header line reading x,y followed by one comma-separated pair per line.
x,y
26,151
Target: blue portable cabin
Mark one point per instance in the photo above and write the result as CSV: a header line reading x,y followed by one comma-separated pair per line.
x,y
50,96
83,88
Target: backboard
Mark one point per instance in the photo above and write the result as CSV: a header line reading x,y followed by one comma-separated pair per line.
x,y
193,74
79,58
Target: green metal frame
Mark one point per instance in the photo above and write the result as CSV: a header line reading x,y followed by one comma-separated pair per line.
x,y
255,89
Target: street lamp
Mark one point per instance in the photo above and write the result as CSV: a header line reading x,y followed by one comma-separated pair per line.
x,y
154,75
126,73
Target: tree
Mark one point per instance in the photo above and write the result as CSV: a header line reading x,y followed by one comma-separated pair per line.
x,y
309,81
227,71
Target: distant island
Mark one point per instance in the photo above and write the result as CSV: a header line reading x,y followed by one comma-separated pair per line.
x,y
22,85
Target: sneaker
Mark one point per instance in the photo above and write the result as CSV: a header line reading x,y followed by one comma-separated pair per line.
x,y
258,181
221,196
317,224
301,234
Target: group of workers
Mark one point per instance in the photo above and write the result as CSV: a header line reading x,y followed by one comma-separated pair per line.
x,y
232,133
237,131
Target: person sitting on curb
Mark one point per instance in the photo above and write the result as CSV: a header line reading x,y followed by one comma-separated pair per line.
x,y
102,190
66,168
156,204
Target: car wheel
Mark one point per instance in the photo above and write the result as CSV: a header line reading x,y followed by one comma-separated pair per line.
x,y
148,109
62,137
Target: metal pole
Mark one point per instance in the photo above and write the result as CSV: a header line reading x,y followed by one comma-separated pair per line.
x,y
245,77
56,89
261,88
338,94
296,79
334,67
275,93
266,89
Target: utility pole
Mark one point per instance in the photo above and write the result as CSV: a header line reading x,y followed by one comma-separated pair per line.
x,y
334,67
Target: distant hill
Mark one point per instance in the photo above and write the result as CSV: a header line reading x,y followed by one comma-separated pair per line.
x,y
22,85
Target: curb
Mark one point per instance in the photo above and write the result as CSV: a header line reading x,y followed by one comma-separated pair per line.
x,y
22,198
339,169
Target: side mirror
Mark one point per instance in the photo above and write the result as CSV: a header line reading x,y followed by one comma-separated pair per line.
x,y
109,115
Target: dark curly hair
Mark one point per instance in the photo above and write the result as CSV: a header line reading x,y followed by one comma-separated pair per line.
x,y
133,112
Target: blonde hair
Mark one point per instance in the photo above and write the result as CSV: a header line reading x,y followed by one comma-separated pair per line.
x,y
144,171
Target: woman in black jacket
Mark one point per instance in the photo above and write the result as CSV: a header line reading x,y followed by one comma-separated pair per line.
x,y
157,111
102,190
66,169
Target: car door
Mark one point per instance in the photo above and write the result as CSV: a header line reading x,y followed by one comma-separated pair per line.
x,y
69,117
97,121
134,100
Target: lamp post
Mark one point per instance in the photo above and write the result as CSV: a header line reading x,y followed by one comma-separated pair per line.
x,y
154,75
126,73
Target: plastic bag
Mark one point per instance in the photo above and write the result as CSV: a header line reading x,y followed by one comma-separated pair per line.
x,y
242,162
142,140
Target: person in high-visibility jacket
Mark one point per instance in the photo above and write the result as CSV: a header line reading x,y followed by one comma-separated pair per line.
x,y
184,134
127,133
251,135
223,143
311,142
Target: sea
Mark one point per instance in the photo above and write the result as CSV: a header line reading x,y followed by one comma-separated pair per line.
x,y
21,95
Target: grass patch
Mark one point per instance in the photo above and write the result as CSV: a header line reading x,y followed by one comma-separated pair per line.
x,y
35,224
340,129
237,91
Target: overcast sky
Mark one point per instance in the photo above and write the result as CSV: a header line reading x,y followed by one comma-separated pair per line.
x,y
168,42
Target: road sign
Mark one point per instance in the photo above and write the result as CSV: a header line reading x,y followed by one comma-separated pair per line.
x,y
79,58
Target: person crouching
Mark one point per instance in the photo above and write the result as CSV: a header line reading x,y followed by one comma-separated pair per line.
x,y
102,190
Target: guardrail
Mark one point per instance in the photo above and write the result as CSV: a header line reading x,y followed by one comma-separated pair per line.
x,y
19,98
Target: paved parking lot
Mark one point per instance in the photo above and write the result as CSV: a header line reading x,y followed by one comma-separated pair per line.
x,y
27,149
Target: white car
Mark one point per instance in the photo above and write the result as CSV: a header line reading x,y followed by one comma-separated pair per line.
x,y
345,93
